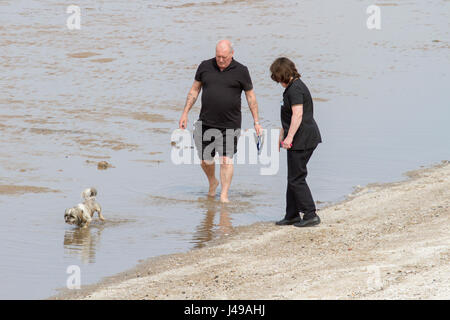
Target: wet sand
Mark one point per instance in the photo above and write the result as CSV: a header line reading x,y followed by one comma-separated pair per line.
x,y
15,189
385,241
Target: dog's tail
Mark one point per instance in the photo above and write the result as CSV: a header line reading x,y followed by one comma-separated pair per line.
x,y
89,193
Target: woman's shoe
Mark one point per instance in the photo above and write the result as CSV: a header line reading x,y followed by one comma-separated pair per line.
x,y
288,222
308,223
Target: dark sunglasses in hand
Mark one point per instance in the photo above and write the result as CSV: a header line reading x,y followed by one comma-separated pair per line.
x,y
259,140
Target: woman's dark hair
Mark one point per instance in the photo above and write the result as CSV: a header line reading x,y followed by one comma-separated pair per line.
x,y
283,69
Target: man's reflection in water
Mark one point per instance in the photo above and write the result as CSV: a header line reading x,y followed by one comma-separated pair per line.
x,y
83,242
207,230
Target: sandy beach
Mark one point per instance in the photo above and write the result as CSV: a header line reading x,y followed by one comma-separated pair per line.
x,y
385,241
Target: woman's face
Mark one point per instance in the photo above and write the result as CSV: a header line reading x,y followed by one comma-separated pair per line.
x,y
284,85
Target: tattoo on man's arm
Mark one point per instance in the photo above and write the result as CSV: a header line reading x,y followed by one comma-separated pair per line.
x,y
190,100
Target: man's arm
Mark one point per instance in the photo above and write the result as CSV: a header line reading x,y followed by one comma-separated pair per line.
x,y
253,105
296,120
190,101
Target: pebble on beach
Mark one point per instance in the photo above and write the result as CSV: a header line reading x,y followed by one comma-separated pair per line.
x,y
103,165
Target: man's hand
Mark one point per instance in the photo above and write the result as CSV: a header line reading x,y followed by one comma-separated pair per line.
x,y
190,101
253,105
183,121
258,129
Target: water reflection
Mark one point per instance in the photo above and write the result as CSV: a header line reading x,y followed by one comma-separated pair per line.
x,y
83,242
207,230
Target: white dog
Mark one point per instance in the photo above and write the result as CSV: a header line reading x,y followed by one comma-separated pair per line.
x,y
81,215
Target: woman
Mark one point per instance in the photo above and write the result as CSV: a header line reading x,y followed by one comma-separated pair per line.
x,y
300,136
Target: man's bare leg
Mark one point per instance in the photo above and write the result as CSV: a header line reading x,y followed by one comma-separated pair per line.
x,y
209,168
226,174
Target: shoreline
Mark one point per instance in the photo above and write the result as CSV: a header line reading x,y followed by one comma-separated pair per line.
x,y
361,250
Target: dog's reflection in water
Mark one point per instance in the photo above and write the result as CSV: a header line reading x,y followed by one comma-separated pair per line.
x,y
82,242
206,230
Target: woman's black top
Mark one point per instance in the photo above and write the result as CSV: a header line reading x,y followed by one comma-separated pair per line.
x,y
308,134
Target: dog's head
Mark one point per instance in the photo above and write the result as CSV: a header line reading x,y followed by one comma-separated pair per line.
x,y
89,193
73,216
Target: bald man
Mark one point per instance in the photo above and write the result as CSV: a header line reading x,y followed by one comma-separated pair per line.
x,y
218,128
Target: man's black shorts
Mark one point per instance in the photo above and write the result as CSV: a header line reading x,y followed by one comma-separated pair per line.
x,y
209,140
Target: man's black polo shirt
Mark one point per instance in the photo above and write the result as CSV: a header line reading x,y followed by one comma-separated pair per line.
x,y
308,134
221,97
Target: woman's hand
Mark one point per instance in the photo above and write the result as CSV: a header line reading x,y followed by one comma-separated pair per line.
x,y
280,139
287,143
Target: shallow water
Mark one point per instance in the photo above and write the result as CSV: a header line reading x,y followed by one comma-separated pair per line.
x,y
114,90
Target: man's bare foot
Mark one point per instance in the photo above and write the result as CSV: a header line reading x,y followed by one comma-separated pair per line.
x,y
212,188
224,199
